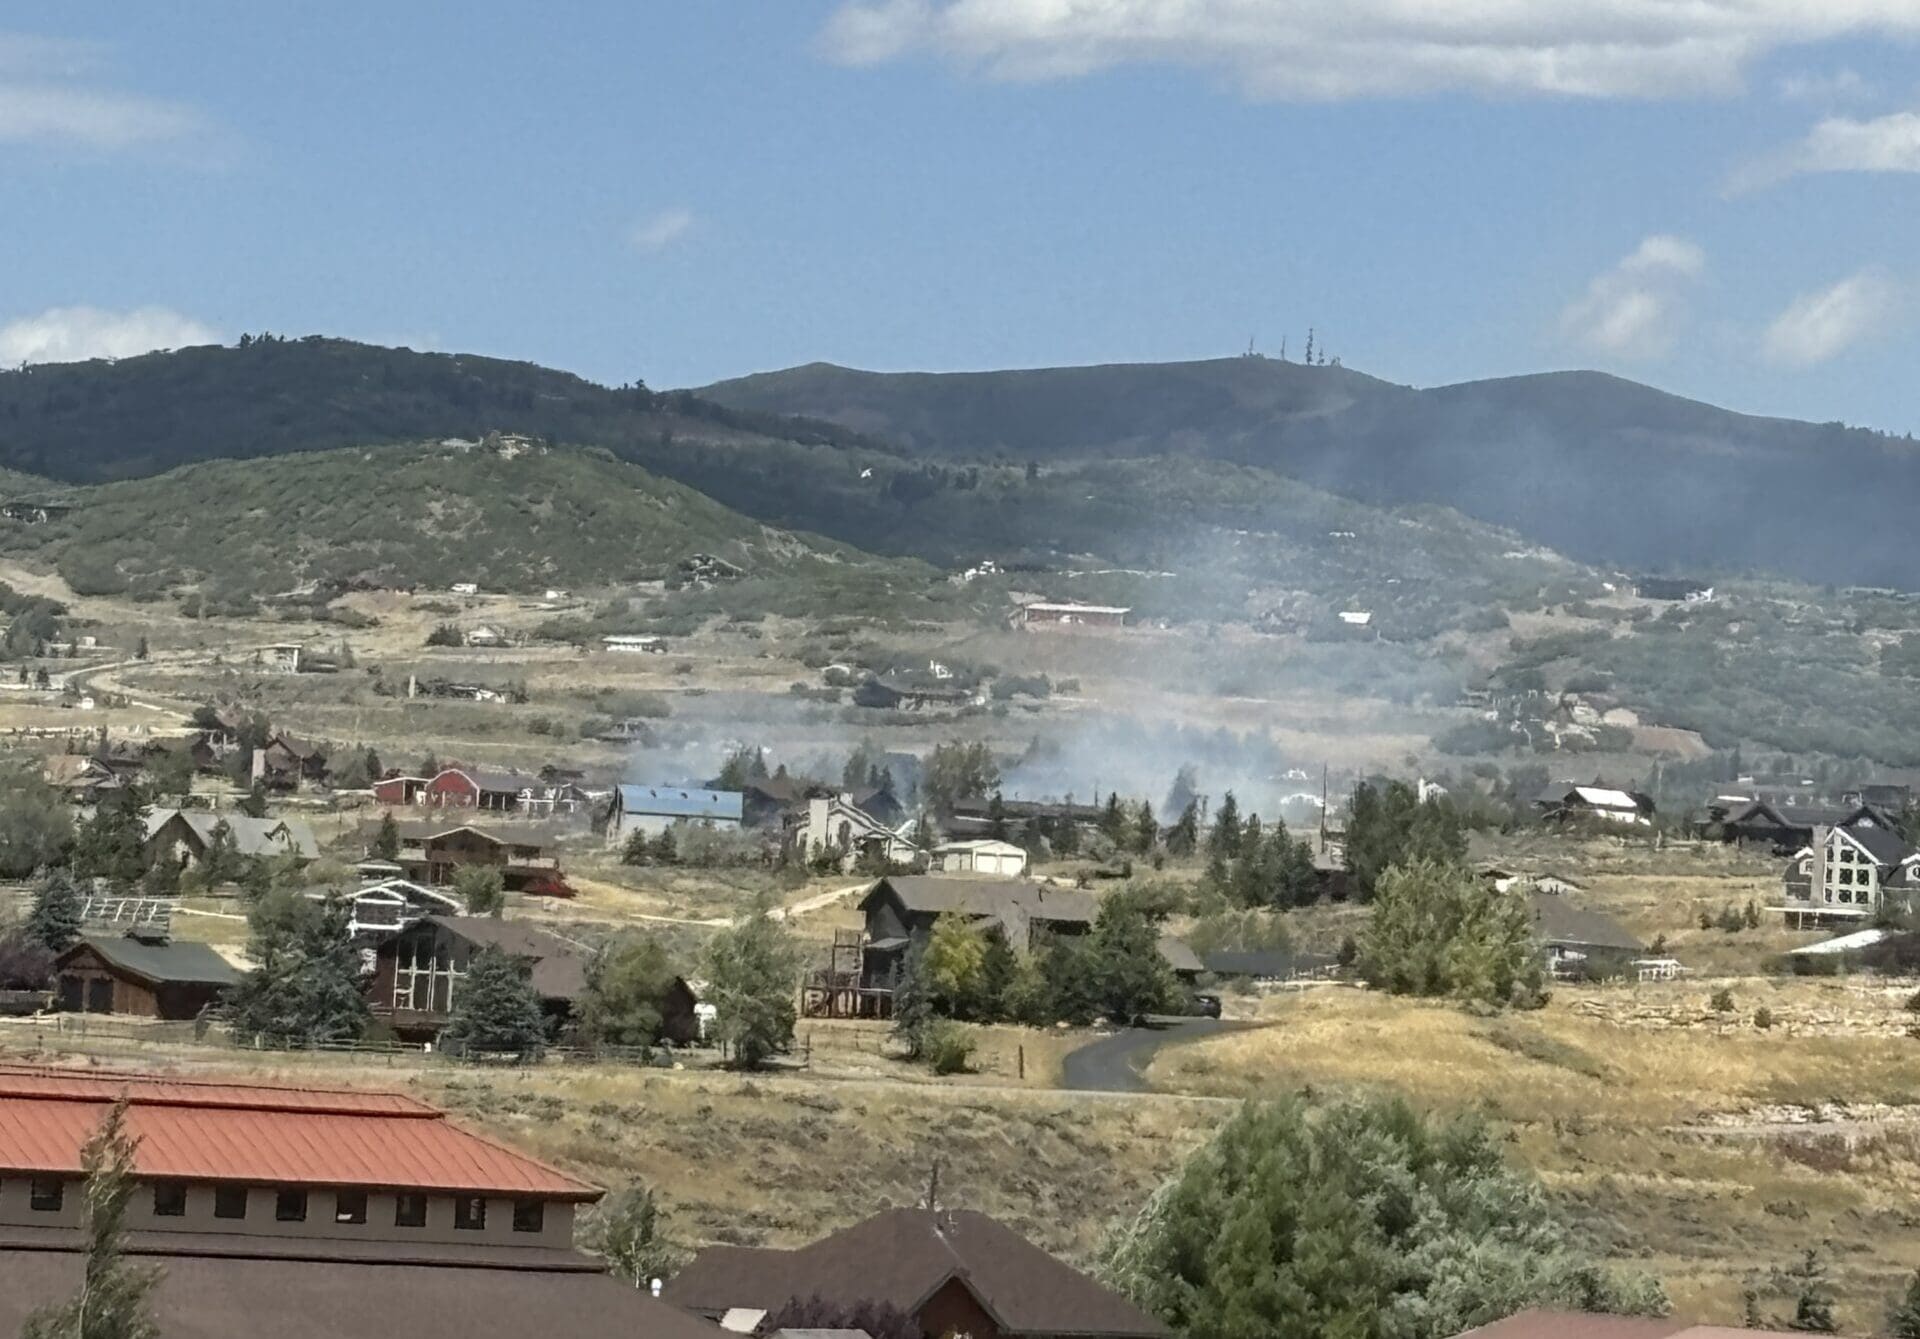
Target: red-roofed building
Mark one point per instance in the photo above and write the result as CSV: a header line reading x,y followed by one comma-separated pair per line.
x,y
275,1162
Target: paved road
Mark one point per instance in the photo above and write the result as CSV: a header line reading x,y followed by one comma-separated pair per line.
x,y
1114,1064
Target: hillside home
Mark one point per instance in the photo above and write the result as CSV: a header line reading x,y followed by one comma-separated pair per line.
x,y
146,976
82,780
418,972
974,817
887,692
954,1272
1567,803
1574,940
1846,874
833,824
397,788
633,644
185,836
307,1212
385,904
279,658
289,762
490,790
654,809
1783,828
980,856
1045,615
433,851
484,636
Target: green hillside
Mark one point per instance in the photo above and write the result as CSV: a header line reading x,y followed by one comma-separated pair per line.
x,y
513,519
1591,465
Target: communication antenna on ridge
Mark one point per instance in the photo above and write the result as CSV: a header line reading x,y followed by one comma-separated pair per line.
x,y
1250,352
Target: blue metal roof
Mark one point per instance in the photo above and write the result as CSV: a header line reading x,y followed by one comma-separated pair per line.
x,y
679,802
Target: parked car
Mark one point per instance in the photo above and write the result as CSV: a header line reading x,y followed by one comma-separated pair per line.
x,y
1205,1006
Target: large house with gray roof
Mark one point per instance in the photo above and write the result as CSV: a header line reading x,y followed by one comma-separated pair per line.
x,y
654,809
1846,874
186,835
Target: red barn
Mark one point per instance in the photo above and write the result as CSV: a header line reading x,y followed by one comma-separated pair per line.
x,y
399,789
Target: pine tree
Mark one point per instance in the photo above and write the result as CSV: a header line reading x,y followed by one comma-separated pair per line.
x,y
1183,838
495,1008
638,850
307,986
386,841
113,1301
111,844
1146,829
665,850
140,651
54,922
1113,820
1813,1307
1224,839
1903,1317
912,1002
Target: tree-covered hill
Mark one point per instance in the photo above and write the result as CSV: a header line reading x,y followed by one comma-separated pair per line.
x,y
512,518
1597,467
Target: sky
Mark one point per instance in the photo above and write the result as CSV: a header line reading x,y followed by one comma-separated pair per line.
x,y
1719,197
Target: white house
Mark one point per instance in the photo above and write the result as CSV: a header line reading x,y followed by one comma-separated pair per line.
x,y
833,823
625,643
1846,873
465,588
980,857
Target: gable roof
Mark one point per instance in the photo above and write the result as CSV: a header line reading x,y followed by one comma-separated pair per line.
x,y
902,1258
158,964
680,802
1883,846
559,965
509,833
1558,921
201,1130
1178,955
1597,797
251,836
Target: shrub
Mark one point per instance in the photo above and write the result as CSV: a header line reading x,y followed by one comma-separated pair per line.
x,y
1763,1018
947,1046
1721,1001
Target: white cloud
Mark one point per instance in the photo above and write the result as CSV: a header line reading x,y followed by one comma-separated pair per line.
x,y
1819,326
74,334
1316,49
1634,310
1830,86
1839,144
44,99
660,231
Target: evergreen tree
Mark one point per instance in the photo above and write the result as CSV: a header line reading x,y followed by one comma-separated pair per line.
x,y
627,985
1903,1317
666,851
386,841
114,1297
1223,840
221,862
638,849
307,986
54,922
1357,1220
1146,829
1437,930
913,1009
1183,838
752,969
1129,976
1113,821
162,878
111,844
36,822
997,817
495,1008
627,1231
140,651
1813,1304
998,967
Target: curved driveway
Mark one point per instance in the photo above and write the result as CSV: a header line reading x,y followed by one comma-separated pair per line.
x,y
1115,1064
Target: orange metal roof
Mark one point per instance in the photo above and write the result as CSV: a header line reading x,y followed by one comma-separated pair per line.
x,y
196,1130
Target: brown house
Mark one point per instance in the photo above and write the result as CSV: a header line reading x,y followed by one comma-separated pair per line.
x,y
417,974
288,762
433,851
150,978
954,1272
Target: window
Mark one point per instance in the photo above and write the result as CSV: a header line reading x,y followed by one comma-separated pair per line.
x,y
529,1215
47,1194
350,1206
410,1211
290,1206
470,1213
169,1200
229,1201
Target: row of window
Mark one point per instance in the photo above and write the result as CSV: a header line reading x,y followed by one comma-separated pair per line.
x,y
47,1194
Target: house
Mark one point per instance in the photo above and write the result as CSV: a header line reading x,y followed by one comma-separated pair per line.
x,y
833,823
981,856
1785,828
953,1271
770,800
902,908
484,636
311,1213
974,817
288,762
1357,618
634,644
386,904
465,588
417,973
1271,966
1672,589
146,976
1844,874
82,780
280,657
1585,1325
433,851
185,836
1887,797
1568,803
654,809
889,692
1045,615
1574,940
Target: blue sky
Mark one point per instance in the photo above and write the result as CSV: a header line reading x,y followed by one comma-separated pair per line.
x,y
1721,198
